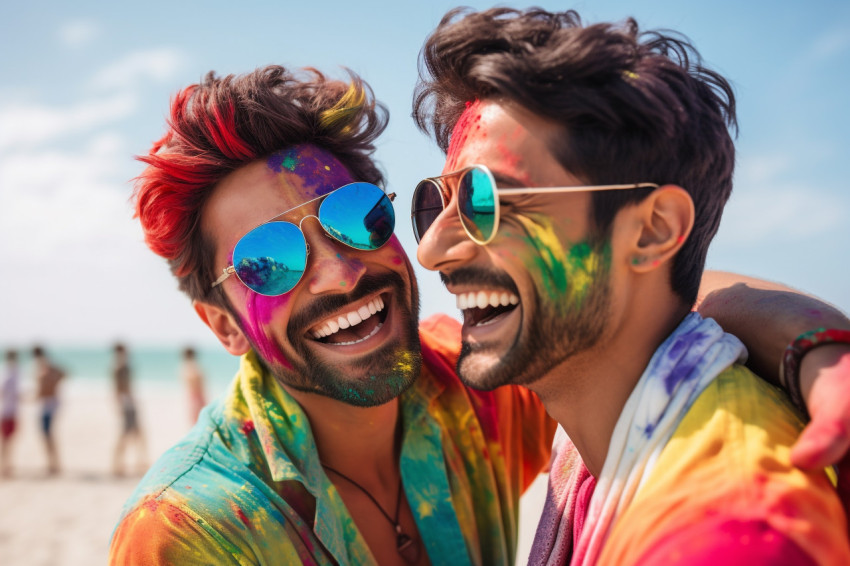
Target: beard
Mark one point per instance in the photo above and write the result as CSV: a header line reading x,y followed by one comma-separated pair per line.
x,y
367,380
555,332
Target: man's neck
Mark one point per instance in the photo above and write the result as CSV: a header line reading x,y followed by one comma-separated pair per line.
x,y
587,392
360,442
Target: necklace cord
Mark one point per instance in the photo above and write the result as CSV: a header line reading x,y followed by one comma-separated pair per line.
x,y
395,521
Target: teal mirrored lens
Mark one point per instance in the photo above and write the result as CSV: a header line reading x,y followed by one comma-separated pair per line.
x,y
359,215
270,259
477,204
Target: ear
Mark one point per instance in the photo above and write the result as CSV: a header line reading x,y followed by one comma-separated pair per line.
x,y
666,218
224,326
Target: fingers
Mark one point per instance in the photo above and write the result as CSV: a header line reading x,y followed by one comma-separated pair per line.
x,y
824,442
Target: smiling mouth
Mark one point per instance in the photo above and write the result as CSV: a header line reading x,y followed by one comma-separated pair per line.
x,y
357,323
481,308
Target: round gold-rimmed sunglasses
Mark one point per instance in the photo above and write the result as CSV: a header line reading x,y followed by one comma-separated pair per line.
x,y
478,200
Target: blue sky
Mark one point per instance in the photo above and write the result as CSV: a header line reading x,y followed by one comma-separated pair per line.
x,y
86,85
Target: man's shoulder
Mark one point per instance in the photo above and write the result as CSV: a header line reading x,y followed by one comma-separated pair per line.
x,y
192,461
201,500
726,471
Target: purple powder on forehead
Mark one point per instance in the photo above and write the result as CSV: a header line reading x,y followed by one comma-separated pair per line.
x,y
318,169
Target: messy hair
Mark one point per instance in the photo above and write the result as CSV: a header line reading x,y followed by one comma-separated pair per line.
x,y
633,106
223,123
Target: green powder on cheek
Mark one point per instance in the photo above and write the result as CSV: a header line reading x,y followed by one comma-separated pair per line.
x,y
566,276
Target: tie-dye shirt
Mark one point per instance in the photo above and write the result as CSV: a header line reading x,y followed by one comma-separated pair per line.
x,y
722,491
246,486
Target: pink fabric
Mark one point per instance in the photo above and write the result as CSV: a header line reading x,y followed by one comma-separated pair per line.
x,y
567,501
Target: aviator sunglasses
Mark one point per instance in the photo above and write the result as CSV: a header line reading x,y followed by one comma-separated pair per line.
x,y
271,258
478,200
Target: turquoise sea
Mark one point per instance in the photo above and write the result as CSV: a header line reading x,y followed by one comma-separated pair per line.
x,y
152,368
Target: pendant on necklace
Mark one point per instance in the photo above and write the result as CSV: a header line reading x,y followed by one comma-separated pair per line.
x,y
406,546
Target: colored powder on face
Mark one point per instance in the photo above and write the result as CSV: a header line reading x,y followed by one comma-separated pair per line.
x,y
319,171
566,275
461,132
260,313
289,162
404,365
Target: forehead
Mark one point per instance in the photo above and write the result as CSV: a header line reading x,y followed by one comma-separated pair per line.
x,y
508,139
258,191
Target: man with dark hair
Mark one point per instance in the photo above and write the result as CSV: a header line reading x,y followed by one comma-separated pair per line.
x,y
346,436
131,431
47,379
587,169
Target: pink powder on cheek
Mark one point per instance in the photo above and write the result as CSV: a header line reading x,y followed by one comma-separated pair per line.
x,y
260,313
396,246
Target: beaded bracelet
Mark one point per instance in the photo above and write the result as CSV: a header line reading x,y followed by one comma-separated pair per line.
x,y
789,372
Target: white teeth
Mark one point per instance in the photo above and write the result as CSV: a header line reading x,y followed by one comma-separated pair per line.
x,y
354,318
482,299
350,319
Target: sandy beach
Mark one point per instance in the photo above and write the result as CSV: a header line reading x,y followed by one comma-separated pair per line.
x,y
68,519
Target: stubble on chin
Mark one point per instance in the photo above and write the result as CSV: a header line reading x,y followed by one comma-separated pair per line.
x,y
553,335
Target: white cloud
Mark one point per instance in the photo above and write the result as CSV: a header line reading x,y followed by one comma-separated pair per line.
x,y
78,33
61,203
156,64
26,124
761,214
830,44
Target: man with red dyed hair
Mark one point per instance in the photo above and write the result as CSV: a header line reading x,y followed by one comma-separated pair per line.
x,y
346,437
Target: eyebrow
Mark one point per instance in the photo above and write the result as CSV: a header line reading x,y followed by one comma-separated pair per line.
x,y
506,181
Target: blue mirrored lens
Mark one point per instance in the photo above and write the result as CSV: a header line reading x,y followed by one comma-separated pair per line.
x,y
359,215
477,204
270,259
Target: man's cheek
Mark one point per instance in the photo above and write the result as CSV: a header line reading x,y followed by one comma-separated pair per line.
x,y
565,272
258,324
544,256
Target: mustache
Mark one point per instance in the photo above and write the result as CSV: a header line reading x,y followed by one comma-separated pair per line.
x,y
480,276
324,306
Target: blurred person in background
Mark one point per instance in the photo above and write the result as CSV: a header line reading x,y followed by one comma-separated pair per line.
x,y
193,381
47,379
9,398
131,431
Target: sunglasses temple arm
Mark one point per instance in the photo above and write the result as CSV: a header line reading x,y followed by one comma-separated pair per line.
x,y
591,188
226,272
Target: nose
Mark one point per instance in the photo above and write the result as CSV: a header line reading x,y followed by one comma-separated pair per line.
x,y
445,246
331,266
